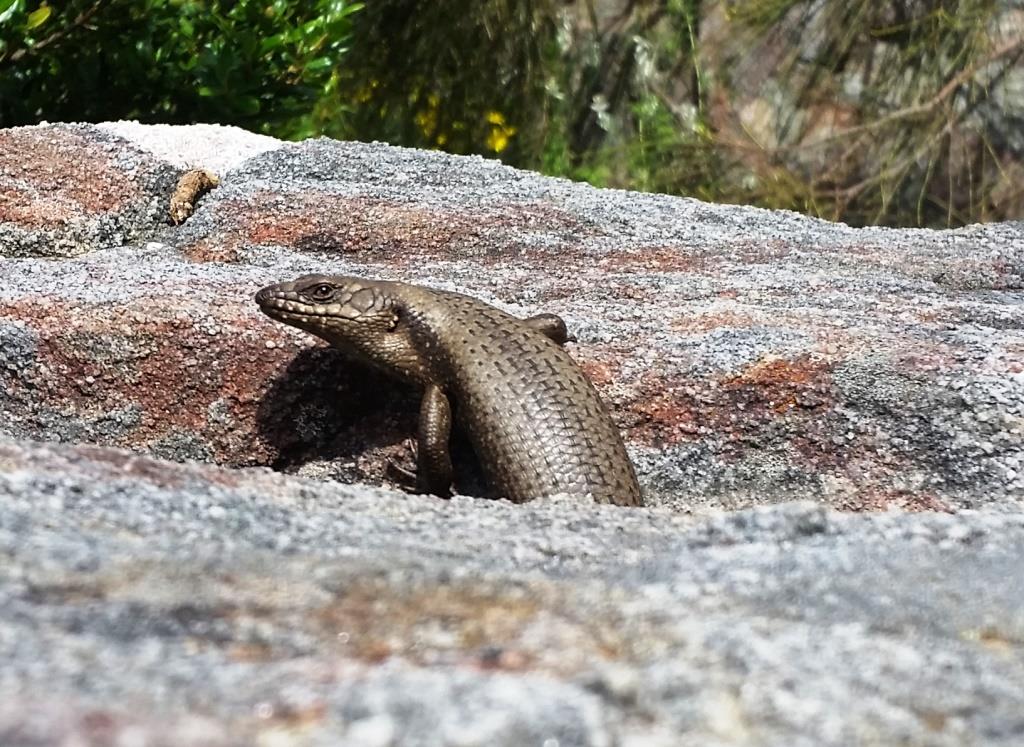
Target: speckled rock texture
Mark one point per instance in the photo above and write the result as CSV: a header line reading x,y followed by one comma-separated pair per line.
x,y
159,586
148,602
749,356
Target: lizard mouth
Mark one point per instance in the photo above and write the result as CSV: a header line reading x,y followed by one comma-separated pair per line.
x,y
290,316
279,306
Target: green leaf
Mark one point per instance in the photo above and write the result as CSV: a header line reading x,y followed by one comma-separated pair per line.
x,y
206,91
8,8
38,17
248,104
311,26
320,63
272,42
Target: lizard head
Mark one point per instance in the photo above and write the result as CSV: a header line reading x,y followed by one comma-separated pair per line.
x,y
341,310
361,317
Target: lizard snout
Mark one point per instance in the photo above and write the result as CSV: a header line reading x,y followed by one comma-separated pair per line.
x,y
269,294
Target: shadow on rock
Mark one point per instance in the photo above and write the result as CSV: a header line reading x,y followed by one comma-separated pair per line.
x,y
333,417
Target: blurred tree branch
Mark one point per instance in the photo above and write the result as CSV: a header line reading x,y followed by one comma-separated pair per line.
x,y
79,21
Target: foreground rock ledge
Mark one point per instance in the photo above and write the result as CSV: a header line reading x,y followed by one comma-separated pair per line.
x,y
175,604
749,356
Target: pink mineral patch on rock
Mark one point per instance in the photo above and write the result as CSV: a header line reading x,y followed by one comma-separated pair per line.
x,y
735,407
177,369
320,221
50,176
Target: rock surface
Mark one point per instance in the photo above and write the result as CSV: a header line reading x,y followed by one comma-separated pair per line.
x,y
198,605
174,591
749,356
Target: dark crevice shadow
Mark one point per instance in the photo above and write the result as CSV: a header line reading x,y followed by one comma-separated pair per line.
x,y
328,408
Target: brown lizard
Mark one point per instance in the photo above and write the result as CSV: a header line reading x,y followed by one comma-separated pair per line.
x,y
536,423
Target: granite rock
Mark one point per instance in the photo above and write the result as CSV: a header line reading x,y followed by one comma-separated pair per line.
x,y
176,604
193,550
749,356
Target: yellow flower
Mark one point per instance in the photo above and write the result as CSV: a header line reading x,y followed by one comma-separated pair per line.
x,y
497,140
426,120
500,134
365,93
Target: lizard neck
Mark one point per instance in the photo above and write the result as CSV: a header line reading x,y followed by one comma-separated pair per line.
x,y
393,353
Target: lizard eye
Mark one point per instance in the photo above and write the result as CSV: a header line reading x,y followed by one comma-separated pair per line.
x,y
323,291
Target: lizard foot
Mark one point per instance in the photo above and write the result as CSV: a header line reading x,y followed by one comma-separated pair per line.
x,y
405,477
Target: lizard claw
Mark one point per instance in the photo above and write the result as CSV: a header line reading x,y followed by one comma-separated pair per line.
x,y
405,477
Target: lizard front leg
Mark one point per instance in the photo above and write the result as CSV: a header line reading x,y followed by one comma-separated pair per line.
x,y
433,457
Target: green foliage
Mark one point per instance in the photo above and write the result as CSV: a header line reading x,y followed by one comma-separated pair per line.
x,y
615,85
462,75
260,64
